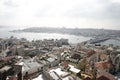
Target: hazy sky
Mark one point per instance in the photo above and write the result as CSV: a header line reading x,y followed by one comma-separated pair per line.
x,y
61,13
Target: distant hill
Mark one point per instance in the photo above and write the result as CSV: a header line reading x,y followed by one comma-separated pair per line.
x,y
76,31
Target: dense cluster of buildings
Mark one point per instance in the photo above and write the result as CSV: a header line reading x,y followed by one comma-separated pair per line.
x,y
57,60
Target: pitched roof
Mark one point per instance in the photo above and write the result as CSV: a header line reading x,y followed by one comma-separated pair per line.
x,y
87,78
8,58
103,78
90,52
103,65
102,75
103,56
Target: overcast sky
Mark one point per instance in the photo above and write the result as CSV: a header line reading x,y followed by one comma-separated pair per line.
x,y
61,13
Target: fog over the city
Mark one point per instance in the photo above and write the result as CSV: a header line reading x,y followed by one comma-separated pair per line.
x,y
61,13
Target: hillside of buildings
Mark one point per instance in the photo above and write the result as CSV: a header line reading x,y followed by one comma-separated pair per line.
x,y
52,59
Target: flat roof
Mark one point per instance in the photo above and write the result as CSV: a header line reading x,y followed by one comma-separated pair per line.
x,y
73,69
50,59
54,75
5,68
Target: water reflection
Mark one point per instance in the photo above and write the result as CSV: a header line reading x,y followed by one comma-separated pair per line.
x,y
35,36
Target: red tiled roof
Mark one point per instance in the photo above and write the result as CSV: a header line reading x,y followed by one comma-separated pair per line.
x,y
90,52
103,65
8,58
88,78
103,56
13,78
102,75
103,78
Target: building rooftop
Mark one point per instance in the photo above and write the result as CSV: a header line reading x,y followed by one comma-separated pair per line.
x,y
5,68
50,59
40,77
54,75
73,69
